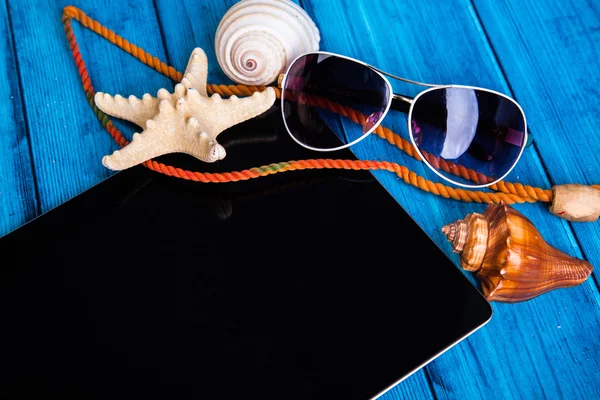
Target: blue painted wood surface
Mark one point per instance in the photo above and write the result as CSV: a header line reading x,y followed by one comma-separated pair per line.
x,y
18,200
543,53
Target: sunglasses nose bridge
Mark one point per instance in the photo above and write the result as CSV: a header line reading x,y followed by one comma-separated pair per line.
x,y
400,102
403,98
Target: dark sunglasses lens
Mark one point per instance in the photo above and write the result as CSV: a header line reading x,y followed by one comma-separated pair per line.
x,y
471,137
316,90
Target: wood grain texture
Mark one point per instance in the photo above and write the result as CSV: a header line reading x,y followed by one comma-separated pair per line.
x,y
18,203
452,48
559,87
188,24
543,53
67,140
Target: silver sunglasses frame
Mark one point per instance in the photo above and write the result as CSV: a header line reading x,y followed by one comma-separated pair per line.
x,y
410,101
387,108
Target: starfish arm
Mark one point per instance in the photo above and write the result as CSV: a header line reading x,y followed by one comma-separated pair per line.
x,y
201,146
157,139
168,132
234,110
131,109
196,72
140,149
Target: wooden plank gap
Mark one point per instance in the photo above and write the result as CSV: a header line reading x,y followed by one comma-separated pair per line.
x,y
37,202
479,23
162,37
429,382
585,256
491,47
595,279
541,160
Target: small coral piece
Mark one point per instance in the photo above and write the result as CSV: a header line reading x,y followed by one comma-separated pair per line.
x,y
185,121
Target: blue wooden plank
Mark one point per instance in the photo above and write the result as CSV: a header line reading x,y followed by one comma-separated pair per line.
x,y
415,387
66,138
18,202
447,45
558,86
196,29
513,356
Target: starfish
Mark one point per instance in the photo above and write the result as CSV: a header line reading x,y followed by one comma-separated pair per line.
x,y
185,121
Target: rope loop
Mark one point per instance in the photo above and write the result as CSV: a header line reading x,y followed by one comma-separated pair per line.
x,y
503,191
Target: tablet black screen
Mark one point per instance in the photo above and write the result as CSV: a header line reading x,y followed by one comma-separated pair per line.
x,y
298,285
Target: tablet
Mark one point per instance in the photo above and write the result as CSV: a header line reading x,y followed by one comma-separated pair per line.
x,y
298,285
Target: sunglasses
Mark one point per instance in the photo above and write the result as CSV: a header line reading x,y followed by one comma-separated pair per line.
x,y
469,136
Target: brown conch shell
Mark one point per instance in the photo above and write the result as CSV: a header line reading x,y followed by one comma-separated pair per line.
x,y
511,259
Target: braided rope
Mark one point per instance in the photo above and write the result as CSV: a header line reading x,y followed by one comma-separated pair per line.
x,y
506,191
359,118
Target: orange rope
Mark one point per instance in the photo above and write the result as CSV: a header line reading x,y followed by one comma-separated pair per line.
x,y
506,191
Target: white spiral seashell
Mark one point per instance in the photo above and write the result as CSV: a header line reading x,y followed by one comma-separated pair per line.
x,y
256,40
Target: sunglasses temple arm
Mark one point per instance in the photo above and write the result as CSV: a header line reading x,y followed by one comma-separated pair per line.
x,y
397,99
399,102
529,140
